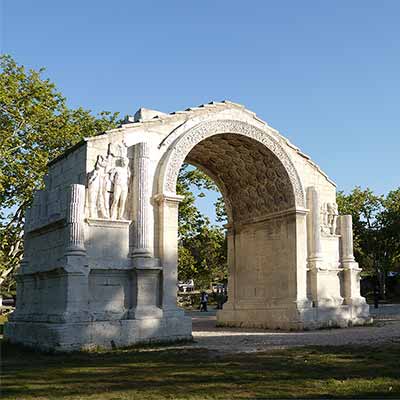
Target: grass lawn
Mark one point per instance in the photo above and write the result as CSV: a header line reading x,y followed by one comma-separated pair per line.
x,y
182,373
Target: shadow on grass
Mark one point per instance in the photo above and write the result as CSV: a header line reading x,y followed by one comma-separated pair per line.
x,y
160,373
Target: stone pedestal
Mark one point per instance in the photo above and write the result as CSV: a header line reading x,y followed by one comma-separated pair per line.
x,y
148,293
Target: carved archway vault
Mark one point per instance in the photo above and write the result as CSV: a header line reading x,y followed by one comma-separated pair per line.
x,y
101,240
273,159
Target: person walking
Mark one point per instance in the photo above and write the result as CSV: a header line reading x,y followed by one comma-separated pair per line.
x,y
203,301
220,299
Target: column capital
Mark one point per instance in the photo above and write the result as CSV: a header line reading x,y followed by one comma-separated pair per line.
x,y
346,239
168,197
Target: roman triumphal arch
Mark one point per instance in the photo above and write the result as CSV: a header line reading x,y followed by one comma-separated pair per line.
x,y
100,256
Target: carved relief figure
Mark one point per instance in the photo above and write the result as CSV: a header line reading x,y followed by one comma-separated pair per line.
x,y
332,217
329,214
120,176
109,178
94,184
106,188
324,218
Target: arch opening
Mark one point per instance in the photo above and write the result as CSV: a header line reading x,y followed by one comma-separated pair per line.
x,y
261,231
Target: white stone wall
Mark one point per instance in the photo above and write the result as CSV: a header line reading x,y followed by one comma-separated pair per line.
x,y
263,258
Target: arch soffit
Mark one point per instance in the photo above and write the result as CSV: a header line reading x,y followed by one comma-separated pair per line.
x,y
221,187
179,150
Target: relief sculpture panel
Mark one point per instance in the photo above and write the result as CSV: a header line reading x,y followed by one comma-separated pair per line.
x,y
107,184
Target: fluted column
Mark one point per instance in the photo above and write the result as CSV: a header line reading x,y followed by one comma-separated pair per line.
x,y
73,278
143,246
314,224
351,270
314,245
75,220
346,233
147,267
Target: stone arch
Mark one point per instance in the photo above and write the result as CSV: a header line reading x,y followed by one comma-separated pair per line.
x,y
266,237
182,146
289,267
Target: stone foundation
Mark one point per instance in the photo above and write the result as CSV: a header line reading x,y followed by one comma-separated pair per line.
x,y
293,318
102,334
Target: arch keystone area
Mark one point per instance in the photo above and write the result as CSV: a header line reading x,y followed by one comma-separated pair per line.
x,y
101,240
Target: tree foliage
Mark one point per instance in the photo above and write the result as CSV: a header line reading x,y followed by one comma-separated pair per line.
x,y
220,210
376,227
35,126
202,246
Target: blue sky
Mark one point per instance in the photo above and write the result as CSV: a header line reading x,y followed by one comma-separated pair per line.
x,y
325,74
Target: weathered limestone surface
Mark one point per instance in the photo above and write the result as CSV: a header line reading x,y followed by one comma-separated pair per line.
x,y
100,262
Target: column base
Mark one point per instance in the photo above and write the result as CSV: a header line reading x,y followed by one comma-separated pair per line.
x,y
145,262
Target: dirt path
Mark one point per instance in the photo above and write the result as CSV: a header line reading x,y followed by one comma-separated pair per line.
x,y
386,329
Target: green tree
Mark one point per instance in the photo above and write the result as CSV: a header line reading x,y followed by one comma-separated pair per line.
x,y
202,246
364,207
389,220
35,126
376,227
221,210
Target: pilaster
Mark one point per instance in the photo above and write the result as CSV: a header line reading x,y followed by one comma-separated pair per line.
x,y
301,258
168,240
230,237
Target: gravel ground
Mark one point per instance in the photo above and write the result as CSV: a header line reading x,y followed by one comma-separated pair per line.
x,y
386,329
